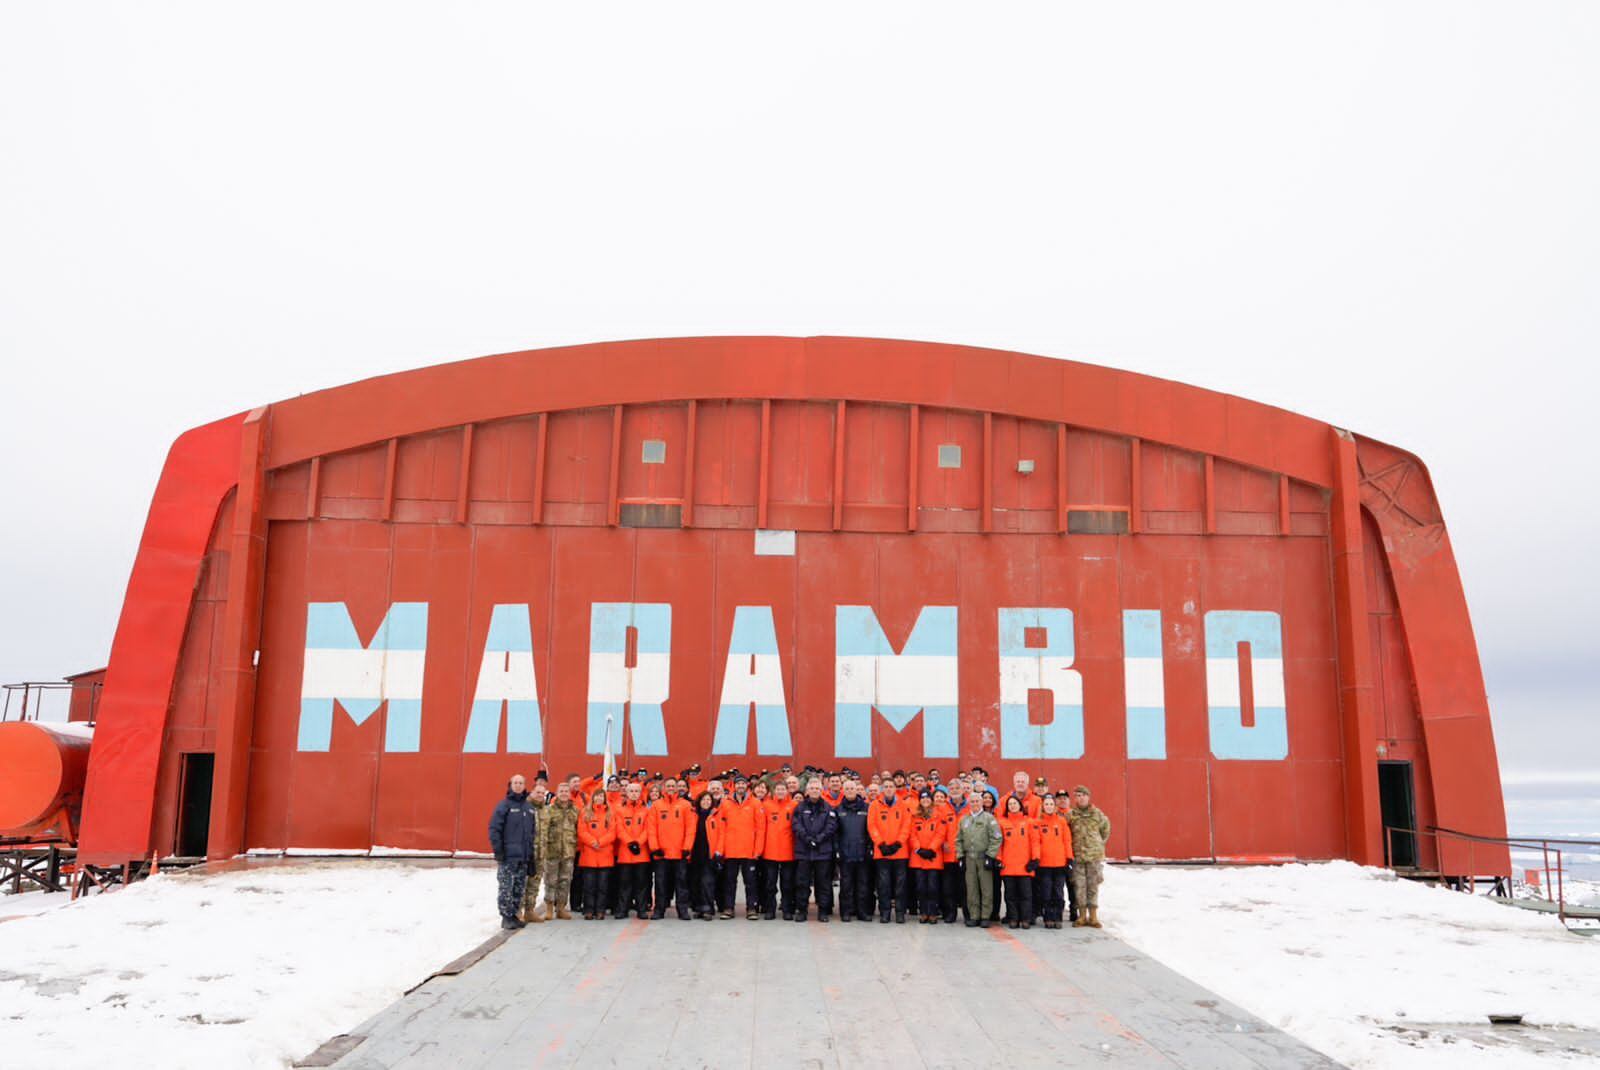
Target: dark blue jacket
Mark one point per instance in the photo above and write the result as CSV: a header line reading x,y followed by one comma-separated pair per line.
x,y
854,844
816,830
511,828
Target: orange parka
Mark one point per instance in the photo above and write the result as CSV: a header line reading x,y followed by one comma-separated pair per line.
x,y
1055,840
744,827
669,826
890,823
597,837
931,832
631,828
778,843
1019,846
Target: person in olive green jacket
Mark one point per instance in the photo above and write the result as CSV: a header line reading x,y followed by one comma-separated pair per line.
x,y
539,799
1090,830
978,840
558,851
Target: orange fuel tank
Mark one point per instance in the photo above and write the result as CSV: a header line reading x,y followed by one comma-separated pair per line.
x,y
42,767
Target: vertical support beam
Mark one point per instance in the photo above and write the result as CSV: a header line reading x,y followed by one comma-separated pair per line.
x,y
688,468
911,467
541,440
1283,505
241,633
1061,478
1358,710
314,489
464,475
988,471
615,478
765,463
1211,495
1136,487
838,466
389,463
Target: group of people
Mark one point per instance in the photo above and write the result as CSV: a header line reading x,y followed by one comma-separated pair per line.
x,y
895,844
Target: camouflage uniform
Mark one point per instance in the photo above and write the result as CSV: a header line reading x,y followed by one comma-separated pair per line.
x,y
530,890
558,851
978,839
1090,830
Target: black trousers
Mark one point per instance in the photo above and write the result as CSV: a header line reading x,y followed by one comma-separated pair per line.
x,y
1072,894
632,889
1019,898
777,877
872,881
855,890
703,886
1051,883
672,881
891,886
732,870
927,882
575,896
815,875
953,880
596,882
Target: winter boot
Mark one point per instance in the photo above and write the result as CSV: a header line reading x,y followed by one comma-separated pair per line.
x,y
1094,917
563,913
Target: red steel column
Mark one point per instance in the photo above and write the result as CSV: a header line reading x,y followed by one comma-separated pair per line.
x,y
241,633
1363,816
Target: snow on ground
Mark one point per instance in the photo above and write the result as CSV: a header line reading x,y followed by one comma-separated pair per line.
x,y
31,902
1344,957
249,967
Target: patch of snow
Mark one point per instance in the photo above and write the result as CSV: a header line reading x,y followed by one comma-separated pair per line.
x,y
28,903
249,967
1343,957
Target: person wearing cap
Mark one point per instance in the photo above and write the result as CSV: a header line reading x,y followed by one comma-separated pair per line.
x,y
978,840
777,854
1055,854
744,829
633,870
889,826
816,835
669,826
855,852
929,832
1090,831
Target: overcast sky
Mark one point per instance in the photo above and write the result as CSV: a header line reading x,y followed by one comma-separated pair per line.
x,y
1383,215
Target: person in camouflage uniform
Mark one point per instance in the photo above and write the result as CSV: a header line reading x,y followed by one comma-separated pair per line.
x,y
539,799
978,840
1090,830
558,851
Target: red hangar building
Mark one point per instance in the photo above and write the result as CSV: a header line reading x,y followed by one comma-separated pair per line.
x,y
355,613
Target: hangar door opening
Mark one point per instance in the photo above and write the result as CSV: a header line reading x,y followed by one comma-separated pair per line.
x,y
1397,797
194,805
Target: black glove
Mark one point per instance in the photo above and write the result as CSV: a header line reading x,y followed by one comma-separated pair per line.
x,y
885,849
1033,865
990,862
633,847
894,847
658,854
926,853
812,844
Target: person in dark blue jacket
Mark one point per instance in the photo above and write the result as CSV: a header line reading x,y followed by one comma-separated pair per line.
x,y
511,829
816,832
855,851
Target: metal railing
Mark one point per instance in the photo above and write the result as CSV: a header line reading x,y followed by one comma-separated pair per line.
x,y
30,700
1548,847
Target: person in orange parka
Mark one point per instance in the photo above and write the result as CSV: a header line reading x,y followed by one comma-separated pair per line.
x,y
633,855
597,853
930,835
777,853
1019,860
669,829
889,827
744,829
1055,852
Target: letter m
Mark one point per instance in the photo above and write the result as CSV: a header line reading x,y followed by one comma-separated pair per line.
x,y
870,675
339,668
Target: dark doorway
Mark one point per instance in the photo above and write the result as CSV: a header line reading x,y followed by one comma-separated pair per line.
x,y
1398,802
194,805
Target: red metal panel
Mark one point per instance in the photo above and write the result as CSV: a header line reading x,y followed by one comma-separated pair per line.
x,y
662,482
876,477
1098,469
727,471
577,467
800,493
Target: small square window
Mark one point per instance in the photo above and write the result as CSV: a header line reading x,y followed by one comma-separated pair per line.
x,y
654,451
949,455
